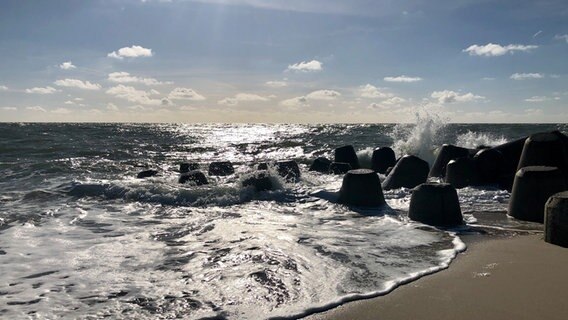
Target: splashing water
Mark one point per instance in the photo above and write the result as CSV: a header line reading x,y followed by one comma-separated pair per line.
x,y
473,140
420,138
365,157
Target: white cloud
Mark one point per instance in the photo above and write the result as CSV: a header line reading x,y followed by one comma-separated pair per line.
x,y
295,102
372,92
526,76
131,52
306,66
185,94
9,108
36,108
69,102
3,88
61,111
537,99
375,105
228,102
46,90
303,101
133,95
388,103
394,101
402,78
68,65
187,108
448,96
76,83
323,95
111,107
239,97
125,77
561,37
276,84
494,50
537,33
533,112
249,97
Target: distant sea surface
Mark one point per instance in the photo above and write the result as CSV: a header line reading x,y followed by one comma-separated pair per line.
x,y
81,237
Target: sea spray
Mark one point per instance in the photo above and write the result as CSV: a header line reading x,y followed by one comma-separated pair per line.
x,y
365,157
420,138
472,139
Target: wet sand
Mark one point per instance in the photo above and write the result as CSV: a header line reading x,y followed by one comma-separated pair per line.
x,y
519,277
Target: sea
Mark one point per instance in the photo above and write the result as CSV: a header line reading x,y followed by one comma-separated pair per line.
x,y
82,238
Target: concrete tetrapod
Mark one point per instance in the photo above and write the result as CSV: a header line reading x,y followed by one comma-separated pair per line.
x,y
382,159
347,154
556,219
544,149
461,173
260,180
288,170
146,174
532,187
408,172
488,164
361,187
511,153
446,153
195,176
435,204
188,166
320,164
221,168
339,167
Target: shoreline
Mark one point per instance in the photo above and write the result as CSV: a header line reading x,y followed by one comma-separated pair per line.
x,y
518,276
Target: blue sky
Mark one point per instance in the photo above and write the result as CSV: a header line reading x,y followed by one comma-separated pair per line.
x,y
283,61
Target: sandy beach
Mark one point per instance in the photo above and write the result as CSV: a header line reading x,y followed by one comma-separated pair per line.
x,y
519,277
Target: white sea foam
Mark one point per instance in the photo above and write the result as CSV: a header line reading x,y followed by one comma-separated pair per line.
x,y
155,254
473,140
486,198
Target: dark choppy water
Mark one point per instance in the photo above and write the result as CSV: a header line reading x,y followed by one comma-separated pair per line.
x,y
80,237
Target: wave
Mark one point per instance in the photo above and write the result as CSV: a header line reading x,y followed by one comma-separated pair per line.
x,y
162,191
430,130
420,138
473,140
446,257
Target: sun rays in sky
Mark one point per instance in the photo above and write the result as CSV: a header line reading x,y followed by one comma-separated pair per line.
x,y
283,61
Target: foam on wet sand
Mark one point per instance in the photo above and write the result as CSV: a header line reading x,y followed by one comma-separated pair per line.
x,y
516,277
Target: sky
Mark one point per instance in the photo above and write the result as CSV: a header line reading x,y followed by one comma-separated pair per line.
x,y
291,61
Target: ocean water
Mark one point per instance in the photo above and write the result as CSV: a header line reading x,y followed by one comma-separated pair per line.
x,y
82,238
